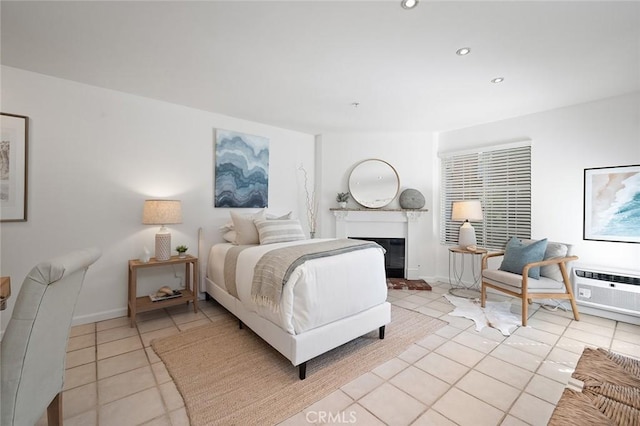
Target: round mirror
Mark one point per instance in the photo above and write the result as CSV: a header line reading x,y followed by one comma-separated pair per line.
x,y
374,183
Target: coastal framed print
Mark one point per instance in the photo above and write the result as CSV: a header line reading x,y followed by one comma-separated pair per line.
x,y
612,204
13,167
241,170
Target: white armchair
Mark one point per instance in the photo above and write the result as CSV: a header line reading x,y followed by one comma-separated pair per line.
x,y
35,341
552,280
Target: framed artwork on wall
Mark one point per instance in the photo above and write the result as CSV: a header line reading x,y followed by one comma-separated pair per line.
x,y
612,204
13,167
241,170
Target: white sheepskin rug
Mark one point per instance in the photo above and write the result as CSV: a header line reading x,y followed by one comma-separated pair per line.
x,y
496,314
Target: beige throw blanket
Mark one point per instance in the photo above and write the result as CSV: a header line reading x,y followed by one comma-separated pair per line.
x,y
274,268
230,264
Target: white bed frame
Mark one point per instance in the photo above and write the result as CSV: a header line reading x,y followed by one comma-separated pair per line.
x,y
299,348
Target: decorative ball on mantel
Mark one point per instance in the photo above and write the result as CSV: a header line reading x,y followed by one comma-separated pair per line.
x,y
411,199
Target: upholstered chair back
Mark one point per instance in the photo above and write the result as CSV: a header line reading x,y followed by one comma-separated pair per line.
x,y
35,341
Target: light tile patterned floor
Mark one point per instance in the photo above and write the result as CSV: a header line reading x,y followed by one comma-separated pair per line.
x,y
455,376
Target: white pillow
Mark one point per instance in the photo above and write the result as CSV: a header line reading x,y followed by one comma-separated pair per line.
x,y
284,216
553,271
246,232
230,236
227,226
279,231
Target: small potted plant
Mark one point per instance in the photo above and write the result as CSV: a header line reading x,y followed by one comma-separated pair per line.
x,y
342,199
182,250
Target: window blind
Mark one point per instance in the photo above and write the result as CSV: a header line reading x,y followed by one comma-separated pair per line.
x,y
500,177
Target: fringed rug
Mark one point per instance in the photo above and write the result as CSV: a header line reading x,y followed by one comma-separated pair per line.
x,y
610,394
404,284
229,376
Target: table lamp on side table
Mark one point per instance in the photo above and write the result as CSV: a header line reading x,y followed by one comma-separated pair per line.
x,y
465,211
162,212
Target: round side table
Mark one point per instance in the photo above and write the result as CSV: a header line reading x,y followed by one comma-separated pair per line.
x,y
458,257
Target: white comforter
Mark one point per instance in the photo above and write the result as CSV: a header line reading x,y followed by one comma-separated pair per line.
x,y
318,292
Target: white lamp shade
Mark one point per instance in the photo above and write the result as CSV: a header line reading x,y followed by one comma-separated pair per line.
x,y
470,210
162,212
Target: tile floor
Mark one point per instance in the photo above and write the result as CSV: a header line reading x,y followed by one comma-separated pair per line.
x,y
455,376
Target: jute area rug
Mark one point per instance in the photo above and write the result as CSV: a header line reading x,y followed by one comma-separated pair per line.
x,y
609,394
230,376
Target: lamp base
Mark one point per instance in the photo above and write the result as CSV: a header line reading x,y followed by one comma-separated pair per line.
x,y
467,236
163,245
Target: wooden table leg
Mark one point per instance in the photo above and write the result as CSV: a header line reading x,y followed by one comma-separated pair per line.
x,y
194,286
131,309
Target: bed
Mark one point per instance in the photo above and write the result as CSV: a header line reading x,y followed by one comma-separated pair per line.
x,y
325,302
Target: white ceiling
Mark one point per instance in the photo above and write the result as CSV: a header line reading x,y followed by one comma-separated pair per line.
x,y
301,64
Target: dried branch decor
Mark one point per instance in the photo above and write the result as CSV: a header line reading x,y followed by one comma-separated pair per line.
x,y
311,202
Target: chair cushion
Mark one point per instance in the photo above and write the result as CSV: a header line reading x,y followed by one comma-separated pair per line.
x,y
513,282
517,254
554,250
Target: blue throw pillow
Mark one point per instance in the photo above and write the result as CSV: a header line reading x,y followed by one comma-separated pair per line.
x,y
517,254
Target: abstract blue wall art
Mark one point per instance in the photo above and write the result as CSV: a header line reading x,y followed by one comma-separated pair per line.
x,y
242,170
612,204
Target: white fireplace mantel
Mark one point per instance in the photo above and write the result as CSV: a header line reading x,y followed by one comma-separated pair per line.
x,y
383,223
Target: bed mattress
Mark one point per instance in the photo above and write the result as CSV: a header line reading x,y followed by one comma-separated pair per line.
x,y
318,292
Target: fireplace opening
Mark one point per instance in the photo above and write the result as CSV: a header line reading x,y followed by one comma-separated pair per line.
x,y
394,256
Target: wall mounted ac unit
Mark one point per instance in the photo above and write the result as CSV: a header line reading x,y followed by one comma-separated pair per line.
x,y
602,288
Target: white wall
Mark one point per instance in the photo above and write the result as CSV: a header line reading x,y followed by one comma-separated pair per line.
x,y
565,142
96,154
413,155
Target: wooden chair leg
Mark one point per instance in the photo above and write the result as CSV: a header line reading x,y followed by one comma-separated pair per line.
x,y
483,295
572,300
574,307
567,286
54,411
525,306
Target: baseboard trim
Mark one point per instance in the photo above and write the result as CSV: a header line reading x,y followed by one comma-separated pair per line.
x,y
99,316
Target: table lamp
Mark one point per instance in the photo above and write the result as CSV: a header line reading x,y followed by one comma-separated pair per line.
x,y
464,211
162,212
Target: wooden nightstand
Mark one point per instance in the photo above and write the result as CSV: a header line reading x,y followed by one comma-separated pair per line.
x,y
141,304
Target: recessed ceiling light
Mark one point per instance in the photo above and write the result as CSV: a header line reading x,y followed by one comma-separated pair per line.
x,y
498,80
408,4
463,51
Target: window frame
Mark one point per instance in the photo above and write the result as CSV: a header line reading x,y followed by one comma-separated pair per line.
x,y
500,177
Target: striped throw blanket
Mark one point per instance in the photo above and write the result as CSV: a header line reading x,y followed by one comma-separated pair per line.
x,y
230,266
275,267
